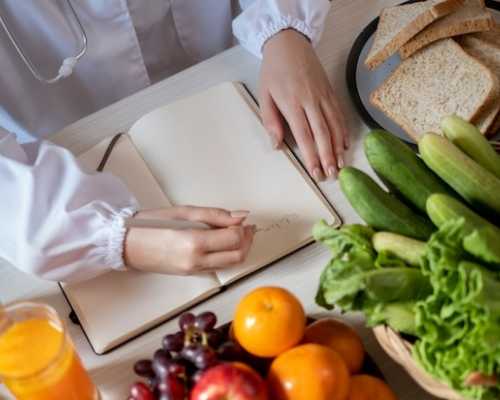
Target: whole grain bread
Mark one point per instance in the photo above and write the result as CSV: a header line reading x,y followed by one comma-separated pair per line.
x,y
399,24
440,80
488,52
472,16
492,36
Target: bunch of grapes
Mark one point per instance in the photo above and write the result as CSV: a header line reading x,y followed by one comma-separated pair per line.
x,y
184,356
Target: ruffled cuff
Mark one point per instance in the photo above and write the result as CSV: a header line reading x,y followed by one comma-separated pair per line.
x,y
285,22
110,245
265,18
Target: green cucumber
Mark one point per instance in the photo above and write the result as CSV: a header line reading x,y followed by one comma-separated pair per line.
x,y
475,184
405,248
396,163
470,140
442,208
380,209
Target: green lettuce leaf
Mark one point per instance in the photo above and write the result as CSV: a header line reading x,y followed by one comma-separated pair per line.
x,y
356,279
400,316
458,326
484,244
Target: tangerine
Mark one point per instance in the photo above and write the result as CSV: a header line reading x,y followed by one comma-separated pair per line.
x,y
268,321
366,387
311,372
340,337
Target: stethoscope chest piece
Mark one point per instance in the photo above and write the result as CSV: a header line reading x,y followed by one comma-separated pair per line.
x,y
68,64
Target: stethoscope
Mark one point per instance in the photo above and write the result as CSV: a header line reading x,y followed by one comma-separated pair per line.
x,y
68,64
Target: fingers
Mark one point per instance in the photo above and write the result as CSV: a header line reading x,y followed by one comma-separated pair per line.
x,y
324,141
303,136
337,124
223,259
216,217
216,240
272,119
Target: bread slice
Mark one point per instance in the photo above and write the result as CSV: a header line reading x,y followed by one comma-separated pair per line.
x,y
399,24
440,80
492,36
472,16
489,54
486,120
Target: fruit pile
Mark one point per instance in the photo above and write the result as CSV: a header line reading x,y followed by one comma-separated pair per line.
x,y
268,352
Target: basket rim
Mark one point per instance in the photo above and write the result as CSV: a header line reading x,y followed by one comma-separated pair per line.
x,y
400,351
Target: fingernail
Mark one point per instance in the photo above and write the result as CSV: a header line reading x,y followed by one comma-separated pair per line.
x,y
332,172
340,161
317,174
239,214
274,142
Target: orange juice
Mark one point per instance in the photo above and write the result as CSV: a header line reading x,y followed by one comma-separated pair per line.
x,y
38,361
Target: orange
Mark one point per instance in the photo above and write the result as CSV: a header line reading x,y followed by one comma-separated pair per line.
x,y
268,321
340,337
311,372
366,387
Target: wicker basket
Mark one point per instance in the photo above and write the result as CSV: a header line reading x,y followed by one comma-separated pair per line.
x,y
400,351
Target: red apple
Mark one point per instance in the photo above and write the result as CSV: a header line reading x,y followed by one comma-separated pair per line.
x,y
231,381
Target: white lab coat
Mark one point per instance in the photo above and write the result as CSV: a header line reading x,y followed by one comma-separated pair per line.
x,y
57,221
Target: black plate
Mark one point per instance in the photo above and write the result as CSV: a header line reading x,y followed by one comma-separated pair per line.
x,y
361,81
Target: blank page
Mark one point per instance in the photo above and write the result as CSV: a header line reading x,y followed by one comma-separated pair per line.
x,y
119,305
212,150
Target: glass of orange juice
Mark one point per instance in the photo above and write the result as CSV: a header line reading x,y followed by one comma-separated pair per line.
x,y
37,358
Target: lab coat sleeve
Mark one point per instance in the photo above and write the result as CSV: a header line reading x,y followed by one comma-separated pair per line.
x,y
57,221
262,19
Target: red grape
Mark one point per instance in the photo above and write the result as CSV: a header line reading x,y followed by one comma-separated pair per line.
x,y
162,353
205,358
144,368
161,363
189,352
186,321
205,321
214,338
177,389
139,391
177,369
172,387
230,351
174,342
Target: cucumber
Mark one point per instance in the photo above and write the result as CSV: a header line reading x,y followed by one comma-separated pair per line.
x,y
470,140
380,209
475,184
407,249
396,163
442,208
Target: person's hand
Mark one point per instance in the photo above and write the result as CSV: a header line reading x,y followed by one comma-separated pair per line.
x,y
190,251
294,88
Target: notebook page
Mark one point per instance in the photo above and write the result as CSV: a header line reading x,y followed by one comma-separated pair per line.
x,y
212,150
119,305
126,163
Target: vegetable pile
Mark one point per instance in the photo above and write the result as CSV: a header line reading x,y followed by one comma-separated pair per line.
x,y
428,263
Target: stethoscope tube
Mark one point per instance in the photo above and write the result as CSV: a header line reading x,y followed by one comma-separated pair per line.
x,y
68,64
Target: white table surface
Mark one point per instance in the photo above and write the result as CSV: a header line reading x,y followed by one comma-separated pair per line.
x,y
299,272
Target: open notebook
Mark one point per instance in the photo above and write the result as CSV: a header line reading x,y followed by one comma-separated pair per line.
x,y
209,149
